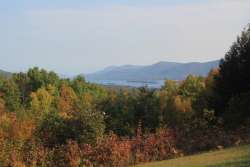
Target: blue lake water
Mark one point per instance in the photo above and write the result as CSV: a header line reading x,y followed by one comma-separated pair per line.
x,y
137,84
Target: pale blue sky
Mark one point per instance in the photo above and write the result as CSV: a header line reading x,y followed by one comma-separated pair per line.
x,y
80,36
31,4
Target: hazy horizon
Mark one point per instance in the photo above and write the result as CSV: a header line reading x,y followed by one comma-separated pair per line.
x,y
73,37
101,69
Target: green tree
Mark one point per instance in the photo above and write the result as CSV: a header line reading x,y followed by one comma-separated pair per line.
x,y
238,109
22,80
234,73
41,78
34,79
119,111
209,96
147,110
85,125
80,86
10,94
192,86
177,99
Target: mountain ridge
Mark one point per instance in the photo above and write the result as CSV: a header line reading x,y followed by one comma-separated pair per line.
x,y
158,71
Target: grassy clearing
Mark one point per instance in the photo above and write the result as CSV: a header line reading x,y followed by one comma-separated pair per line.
x,y
232,157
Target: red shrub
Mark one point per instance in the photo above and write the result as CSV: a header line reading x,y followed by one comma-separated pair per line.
x,y
73,153
158,146
109,152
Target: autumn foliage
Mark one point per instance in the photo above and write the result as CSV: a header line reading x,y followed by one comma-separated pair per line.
x,y
47,121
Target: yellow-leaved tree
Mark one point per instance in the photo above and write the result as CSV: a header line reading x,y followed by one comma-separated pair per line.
x,y
67,101
41,100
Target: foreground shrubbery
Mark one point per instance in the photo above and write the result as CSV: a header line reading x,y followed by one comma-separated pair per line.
x,y
115,151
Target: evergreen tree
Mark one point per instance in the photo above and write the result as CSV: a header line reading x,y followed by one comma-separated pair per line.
x,y
234,73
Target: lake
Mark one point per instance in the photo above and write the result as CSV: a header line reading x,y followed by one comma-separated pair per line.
x,y
137,84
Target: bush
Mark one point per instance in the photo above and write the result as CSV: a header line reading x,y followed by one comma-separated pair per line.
x,y
200,133
238,110
84,127
109,152
157,146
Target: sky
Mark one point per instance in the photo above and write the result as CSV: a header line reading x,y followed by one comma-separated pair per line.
x,y
83,36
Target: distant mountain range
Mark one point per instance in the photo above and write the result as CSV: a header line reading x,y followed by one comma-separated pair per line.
x,y
158,71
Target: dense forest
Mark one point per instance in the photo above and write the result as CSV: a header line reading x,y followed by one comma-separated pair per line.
x,y
49,121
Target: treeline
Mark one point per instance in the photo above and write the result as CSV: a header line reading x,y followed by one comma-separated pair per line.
x,y
49,121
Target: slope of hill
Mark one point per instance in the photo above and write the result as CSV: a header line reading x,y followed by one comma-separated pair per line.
x,y
5,74
157,71
234,157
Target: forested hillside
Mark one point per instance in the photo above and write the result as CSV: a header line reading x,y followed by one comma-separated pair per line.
x,y
49,121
